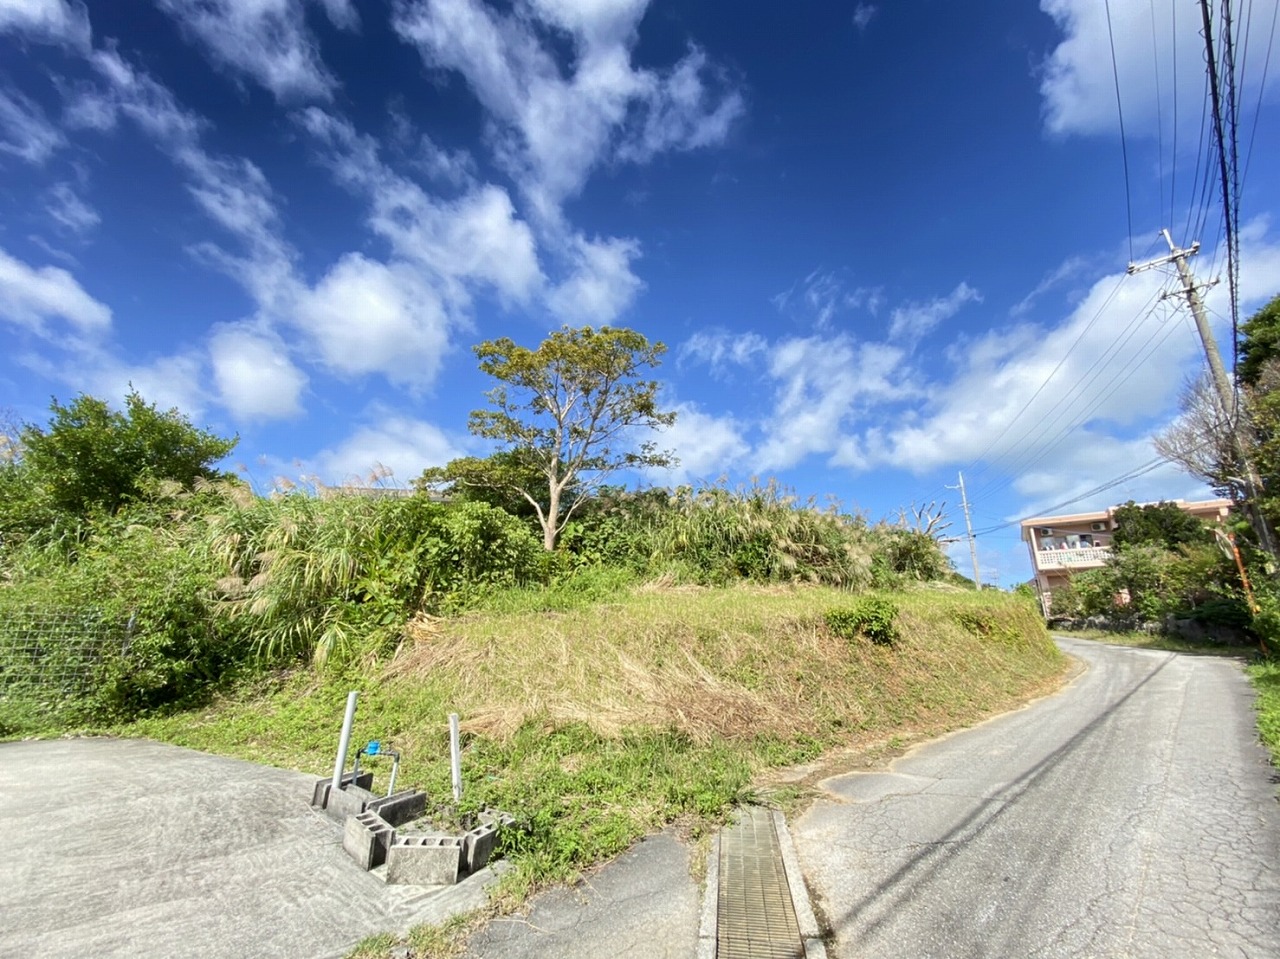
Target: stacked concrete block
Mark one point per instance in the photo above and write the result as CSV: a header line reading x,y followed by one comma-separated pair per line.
x,y
401,807
349,801
320,795
477,846
366,838
424,860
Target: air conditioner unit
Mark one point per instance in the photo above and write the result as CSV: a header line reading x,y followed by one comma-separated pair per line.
x,y
1045,531
1099,527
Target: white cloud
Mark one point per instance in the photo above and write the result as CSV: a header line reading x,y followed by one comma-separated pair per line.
x,y
30,297
863,14
476,238
253,374
66,208
25,132
404,445
682,113
168,382
706,445
824,295
268,40
1078,85
914,320
719,348
54,21
556,122
366,317
821,383
601,285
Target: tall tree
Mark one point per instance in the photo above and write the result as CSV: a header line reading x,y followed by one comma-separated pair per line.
x,y
1164,525
93,457
570,413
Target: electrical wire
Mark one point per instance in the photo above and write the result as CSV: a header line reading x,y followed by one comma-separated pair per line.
x,y
1109,484
1124,148
1038,446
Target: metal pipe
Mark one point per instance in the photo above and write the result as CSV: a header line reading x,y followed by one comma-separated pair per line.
x,y
455,757
395,768
345,741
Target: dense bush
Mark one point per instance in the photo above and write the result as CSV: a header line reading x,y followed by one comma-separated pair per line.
x,y
872,616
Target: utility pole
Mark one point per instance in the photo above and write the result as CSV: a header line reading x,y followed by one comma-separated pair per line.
x,y
968,525
1222,382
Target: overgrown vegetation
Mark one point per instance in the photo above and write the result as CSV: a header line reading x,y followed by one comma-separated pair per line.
x,y
672,646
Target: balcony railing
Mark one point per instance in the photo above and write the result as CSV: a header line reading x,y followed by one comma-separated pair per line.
x,y
1072,558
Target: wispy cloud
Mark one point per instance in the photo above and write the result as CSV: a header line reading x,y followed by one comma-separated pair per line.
x,y
557,122
68,210
25,132
49,21
863,14
266,40
913,320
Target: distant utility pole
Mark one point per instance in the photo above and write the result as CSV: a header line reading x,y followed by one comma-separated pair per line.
x,y
1221,381
968,525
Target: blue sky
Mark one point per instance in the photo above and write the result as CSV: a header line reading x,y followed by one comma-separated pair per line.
x,y
884,242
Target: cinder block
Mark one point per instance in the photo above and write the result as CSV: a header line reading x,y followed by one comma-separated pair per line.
x,y
497,817
320,795
424,860
400,808
366,838
349,801
477,847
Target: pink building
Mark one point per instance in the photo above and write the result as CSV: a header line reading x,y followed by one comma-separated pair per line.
x,y
1064,545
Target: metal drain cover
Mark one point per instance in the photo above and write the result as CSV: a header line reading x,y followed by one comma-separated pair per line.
x,y
755,916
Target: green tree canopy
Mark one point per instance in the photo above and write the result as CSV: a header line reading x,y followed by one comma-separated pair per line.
x,y
1259,342
1165,525
569,413
93,457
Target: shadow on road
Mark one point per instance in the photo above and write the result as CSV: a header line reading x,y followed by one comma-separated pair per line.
x,y
922,866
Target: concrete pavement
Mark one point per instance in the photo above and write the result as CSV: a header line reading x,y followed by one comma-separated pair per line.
x,y
139,849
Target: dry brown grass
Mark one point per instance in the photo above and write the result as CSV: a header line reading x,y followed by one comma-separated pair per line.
x,y
711,663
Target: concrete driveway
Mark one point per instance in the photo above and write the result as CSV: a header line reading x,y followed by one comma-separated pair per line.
x,y
134,848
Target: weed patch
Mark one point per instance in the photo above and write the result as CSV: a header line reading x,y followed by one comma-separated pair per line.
x,y
872,616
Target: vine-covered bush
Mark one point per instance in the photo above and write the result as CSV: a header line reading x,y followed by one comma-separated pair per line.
x,y
871,616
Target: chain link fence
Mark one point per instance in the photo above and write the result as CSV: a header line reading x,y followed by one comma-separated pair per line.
x,y
51,658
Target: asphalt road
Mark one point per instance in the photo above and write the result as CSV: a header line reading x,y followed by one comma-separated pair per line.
x,y
1132,815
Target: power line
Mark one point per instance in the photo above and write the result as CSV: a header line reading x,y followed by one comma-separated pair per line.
x,y
1124,149
1109,484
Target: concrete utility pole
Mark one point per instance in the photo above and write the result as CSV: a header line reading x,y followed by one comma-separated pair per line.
x,y
968,525
1222,382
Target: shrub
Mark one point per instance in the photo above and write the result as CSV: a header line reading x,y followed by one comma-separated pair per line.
x,y
872,616
990,622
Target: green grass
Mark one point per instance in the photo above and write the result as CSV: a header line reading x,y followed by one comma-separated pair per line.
x,y
1266,680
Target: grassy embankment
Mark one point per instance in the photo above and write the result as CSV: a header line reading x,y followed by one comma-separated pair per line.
x,y
598,724
1266,680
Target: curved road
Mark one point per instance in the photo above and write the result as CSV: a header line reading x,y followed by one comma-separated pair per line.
x,y
1131,815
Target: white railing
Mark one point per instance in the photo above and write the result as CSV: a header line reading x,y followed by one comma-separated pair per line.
x,y
1062,558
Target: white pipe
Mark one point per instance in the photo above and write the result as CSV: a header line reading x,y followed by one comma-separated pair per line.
x,y
455,757
345,741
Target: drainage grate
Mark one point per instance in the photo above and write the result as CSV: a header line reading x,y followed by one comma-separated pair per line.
x,y
756,918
